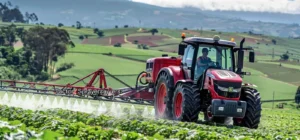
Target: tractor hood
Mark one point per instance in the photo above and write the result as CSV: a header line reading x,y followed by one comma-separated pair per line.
x,y
223,75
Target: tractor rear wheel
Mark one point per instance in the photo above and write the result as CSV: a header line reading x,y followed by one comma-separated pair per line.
x,y
186,103
163,97
253,110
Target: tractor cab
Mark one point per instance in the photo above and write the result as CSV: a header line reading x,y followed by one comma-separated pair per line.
x,y
199,55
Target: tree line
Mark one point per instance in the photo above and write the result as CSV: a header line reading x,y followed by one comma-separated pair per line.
x,y
35,61
10,13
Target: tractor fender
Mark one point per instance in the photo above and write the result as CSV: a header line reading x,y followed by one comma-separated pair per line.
x,y
248,85
183,81
175,74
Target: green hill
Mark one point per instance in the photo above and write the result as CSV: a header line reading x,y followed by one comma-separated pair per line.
x,y
88,57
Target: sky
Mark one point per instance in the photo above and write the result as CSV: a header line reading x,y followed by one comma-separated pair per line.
x,y
277,6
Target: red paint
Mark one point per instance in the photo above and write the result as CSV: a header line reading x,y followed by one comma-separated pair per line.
x,y
178,104
162,92
218,77
178,73
165,62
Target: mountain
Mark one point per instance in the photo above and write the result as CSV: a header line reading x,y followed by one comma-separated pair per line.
x,y
108,13
257,16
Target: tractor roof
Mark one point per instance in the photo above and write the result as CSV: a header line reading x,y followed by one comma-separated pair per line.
x,y
209,40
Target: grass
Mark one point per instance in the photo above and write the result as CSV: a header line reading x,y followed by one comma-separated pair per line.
x,y
268,86
119,51
285,74
88,63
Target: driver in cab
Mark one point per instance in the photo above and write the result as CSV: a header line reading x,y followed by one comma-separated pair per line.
x,y
202,62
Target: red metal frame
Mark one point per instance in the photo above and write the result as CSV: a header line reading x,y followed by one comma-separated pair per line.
x,y
103,90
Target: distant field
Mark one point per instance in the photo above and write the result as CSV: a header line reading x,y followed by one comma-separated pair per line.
x,y
88,58
118,51
267,86
285,74
86,62
165,39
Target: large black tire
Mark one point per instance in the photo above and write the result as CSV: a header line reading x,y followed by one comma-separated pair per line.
x,y
253,111
163,103
186,103
297,99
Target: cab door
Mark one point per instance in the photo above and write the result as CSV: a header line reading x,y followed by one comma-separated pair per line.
x,y
187,61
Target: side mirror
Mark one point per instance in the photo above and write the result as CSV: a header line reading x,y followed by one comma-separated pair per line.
x,y
181,49
251,57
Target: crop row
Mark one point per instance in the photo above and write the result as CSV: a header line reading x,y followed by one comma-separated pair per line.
x,y
85,126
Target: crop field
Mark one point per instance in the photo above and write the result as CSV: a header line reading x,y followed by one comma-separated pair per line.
x,y
97,41
147,39
277,72
65,124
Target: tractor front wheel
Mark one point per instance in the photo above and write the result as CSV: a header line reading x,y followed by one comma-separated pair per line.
x,y
186,103
163,97
253,110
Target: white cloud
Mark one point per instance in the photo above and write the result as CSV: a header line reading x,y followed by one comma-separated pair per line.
x,y
86,18
69,11
282,6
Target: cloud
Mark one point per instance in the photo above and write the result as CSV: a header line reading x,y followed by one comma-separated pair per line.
x,y
281,6
86,18
69,11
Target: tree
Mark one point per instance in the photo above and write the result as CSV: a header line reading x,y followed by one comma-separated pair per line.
x,y
78,25
33,17
125,26
116,26
284,57
8,35
46,44
100,34
27,17
96,30
8,13
60,24
274,41
153,31
12,15
81,37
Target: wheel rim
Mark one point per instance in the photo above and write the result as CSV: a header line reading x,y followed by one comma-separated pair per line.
x,y
161,106
178,105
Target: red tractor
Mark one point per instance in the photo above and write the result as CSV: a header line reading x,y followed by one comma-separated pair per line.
x,y
183,88
206,78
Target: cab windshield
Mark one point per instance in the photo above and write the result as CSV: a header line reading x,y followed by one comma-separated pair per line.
x,y
219,57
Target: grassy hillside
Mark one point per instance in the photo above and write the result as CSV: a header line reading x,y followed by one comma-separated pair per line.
x,y
88,57
168,39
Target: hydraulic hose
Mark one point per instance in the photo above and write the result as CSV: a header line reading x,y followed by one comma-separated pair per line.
x,y
139,79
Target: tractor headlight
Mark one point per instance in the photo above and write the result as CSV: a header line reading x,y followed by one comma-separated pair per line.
x,y
230,89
